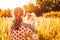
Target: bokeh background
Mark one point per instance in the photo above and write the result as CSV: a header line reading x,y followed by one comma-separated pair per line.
x,y
47,17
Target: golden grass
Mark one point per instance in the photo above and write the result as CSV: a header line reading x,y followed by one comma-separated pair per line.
x,y
52,14
4,28
48,28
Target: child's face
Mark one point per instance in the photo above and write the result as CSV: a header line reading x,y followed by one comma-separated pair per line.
x,y
29,16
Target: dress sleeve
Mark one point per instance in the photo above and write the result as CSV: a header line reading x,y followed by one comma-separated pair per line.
x,y
31,27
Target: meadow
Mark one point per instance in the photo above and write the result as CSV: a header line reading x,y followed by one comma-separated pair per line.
x,y
48,27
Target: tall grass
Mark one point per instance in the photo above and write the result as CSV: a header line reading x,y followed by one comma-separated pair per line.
x,y
48,28
5,28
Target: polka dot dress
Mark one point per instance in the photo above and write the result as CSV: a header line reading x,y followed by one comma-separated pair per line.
x,y
23,33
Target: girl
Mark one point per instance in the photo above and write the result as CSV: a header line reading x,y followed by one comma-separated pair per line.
x,y
20,30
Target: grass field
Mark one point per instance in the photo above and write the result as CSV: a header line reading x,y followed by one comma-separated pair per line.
x,y
48,28
4,28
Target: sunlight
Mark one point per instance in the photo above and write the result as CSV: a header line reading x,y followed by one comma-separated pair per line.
x,y
4,4
12,4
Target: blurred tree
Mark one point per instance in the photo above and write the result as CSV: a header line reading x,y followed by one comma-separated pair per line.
x,y
0,11
29,8
6,13
43,6
48,5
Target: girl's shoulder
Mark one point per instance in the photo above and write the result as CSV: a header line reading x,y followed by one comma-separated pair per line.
x,y
31,27
26,24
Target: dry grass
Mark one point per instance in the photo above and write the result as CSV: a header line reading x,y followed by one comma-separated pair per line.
x,y
48,27
4,28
